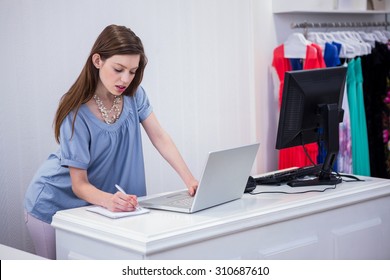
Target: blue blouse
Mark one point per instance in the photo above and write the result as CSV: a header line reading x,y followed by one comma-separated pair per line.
x,y
111,154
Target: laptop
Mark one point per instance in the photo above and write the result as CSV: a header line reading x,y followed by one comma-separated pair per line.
x,y
224,179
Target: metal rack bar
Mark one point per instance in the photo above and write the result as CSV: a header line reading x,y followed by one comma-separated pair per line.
x,y
361,24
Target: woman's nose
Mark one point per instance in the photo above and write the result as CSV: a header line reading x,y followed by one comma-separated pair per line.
x,y
126,78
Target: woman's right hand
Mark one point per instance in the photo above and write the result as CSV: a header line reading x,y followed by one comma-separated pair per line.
x,y
120,202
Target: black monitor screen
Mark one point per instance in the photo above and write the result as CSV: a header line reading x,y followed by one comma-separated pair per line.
x,y
311,110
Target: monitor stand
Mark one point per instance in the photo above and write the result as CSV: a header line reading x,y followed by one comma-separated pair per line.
x,y
330,115
316,181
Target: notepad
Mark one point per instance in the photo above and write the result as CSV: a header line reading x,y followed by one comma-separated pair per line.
x,y
115,215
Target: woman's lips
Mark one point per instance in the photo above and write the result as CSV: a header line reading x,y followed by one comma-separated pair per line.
x,y
120,88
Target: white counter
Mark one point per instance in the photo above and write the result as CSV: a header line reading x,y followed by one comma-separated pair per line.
x,y
349,222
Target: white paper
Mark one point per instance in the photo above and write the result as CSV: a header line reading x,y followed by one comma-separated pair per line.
x,y
114,215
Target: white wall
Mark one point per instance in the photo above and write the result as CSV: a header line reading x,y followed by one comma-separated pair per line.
x,y
207,79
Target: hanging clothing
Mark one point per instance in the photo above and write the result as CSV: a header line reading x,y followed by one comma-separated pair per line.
x,y
376,67
344,157
386,129
364,166
360,152
296,156
364,146
332,55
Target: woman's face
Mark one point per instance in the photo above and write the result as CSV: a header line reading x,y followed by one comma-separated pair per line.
x,y
115,73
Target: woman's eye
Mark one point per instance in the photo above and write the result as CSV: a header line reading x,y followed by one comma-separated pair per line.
x,y
117,70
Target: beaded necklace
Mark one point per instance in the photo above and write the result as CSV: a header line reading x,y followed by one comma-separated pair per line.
x,y
115,110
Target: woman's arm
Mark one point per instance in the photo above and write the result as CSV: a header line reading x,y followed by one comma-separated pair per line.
x,y
85,190
164,144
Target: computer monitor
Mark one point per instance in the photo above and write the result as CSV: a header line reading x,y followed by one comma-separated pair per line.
x,y
311,111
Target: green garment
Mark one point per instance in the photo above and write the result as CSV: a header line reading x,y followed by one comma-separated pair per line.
x,y
360,152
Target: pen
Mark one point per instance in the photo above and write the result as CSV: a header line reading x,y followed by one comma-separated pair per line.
x,y
122,191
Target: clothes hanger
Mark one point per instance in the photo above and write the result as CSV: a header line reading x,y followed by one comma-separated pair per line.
x,y
386,33
360,46
317,39
375,36
366,46
351,50
328,37
295,46
368,38
382,38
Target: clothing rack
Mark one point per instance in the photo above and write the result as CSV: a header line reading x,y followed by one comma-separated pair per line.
x,y
352,24
306,25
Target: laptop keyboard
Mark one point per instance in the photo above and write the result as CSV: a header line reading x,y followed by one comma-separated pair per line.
x,y
183,202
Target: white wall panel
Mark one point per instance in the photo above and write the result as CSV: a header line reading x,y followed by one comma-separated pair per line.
x,y
204,78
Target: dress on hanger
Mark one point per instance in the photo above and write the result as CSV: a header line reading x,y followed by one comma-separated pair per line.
x,y
344,157
360,153
296,156
376,67
331,55
364,151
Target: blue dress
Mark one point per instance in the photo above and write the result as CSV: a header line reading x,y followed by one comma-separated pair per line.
x,y
111,154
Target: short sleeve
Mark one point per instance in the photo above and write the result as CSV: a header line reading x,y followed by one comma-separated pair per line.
x,y
74,148
143,105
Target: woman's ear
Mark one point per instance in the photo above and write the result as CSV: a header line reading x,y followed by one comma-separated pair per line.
x,y
96,60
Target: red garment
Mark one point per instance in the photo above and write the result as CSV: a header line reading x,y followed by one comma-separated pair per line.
x,y
295,156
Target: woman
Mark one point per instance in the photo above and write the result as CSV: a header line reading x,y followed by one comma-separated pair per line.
x,y
100,147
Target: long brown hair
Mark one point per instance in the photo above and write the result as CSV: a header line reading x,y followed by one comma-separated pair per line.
x,y
113,40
